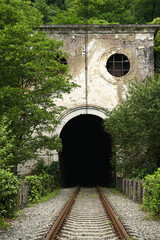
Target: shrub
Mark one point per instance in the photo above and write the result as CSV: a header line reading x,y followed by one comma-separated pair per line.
x,y
35,188
9,186
40,168
39,186
53,170
151,200
47,183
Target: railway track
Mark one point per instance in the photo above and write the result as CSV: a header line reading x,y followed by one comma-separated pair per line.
x,y
87,215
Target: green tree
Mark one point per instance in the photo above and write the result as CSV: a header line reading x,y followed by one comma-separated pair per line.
x,y
157,46
50,8
47,10
134,127
6,143
91,12
107,11
31,78
147,13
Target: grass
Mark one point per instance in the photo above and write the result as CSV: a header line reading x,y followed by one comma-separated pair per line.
x,y
3,224
45,198
150,216
49,196
115,191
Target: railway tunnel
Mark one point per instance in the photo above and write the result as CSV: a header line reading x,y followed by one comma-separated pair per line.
x,y
86,152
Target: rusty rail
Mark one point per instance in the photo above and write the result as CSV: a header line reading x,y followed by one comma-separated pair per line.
x,y
118,225
54,229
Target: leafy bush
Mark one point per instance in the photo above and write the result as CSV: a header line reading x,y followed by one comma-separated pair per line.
x,y
151,200
40,167
39,186
3,223
35,188
47,183
53,170
9,186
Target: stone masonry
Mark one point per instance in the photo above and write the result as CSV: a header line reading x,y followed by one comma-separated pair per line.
x,y
89,47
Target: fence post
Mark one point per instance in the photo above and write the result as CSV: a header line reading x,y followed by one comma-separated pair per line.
x,y
130,189
24,195
135,190
143,192
127,187
119,184
140,191
124,186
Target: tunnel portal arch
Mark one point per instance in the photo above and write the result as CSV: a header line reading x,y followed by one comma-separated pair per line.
x,y
85,157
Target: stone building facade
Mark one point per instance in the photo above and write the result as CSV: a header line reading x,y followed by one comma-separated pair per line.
x,y
102,59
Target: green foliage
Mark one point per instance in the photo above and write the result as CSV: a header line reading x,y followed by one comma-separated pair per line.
x,y
52,170
45,198
89,12
151,200
147,13
35,188
40,167
31,78
9,185
106,11
134,127
39,186
47,11
157,46
3,223
45,180
49,196
6,143
137,174
13,12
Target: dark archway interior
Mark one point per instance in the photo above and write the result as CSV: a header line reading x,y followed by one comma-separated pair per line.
x,y
85,157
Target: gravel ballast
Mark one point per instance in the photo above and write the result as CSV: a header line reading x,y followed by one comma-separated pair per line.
x,y
35,220
134,218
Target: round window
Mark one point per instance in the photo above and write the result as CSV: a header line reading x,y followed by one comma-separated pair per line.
x,y
118,65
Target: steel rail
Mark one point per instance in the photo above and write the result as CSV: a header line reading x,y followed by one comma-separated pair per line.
x,y
118,225
55,227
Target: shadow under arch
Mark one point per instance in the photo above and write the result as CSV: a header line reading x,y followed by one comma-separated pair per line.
x,y
85,157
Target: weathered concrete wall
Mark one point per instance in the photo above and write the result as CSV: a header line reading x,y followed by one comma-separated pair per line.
x,y
89,48
103,89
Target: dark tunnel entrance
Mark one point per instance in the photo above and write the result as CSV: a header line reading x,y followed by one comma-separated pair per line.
x,y
85,157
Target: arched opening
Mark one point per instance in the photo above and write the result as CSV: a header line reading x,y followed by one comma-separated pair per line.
x,y
85,157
